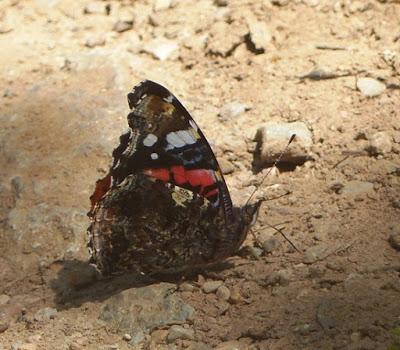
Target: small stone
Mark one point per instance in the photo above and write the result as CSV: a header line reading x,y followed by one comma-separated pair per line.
x,y
3,326
187,287
211,286
259,34
96,7
223,293
122,26
160,5
95,41
316,253
273,137
380,143
161,49
137,338
4,299
18,187
221,3
236,297
281,277
280,2
357,187
179,332
127,337
370,87
324,314
159,336
45,314
394,240
232,109
226,166
270,245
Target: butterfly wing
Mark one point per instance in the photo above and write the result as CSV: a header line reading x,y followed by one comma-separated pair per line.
x,y
165,142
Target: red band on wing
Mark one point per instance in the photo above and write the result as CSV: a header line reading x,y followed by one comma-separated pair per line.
x,y
190,178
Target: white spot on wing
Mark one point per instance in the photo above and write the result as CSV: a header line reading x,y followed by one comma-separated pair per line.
x,y
150,140
186,136
169,98
174,140
154,156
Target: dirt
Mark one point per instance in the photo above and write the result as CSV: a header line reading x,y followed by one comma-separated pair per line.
x,y
67,67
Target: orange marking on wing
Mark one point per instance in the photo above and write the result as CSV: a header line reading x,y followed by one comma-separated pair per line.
x,y
180,176
102,186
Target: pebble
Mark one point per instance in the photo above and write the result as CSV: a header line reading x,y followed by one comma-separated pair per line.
x,y
122,26
236,297
357,187
232,109
4,299
370,87
45,314
280,2
160,5
179,332
223,293
270,245
127,337
96,7
273,137
281,278
95,41
159,336
161,49
259,34
394,239
380,143
187,287
324,311
316,253
211,286
3,326
221,3
137,338
226,166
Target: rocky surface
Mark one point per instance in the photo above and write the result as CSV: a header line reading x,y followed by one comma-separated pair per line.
x,y
239,67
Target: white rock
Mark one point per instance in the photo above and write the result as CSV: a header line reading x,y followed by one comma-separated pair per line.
x,y
370,87
161,49
357,187
232,109
273,137
45,314
95,7
160,5
223,293
260,34
211,286
380,143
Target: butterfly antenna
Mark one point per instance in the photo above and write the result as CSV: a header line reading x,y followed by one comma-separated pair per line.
x,y
277,161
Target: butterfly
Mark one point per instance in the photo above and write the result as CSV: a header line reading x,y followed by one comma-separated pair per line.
x,y
164,205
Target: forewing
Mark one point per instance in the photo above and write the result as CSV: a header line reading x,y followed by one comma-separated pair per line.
x,y
165,142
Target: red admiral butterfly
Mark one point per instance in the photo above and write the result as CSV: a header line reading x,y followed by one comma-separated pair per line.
x,y
164,205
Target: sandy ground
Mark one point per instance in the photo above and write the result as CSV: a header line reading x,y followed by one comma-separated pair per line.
x,y
66,69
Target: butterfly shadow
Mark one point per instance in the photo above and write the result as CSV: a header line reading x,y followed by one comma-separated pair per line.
x,y
75,282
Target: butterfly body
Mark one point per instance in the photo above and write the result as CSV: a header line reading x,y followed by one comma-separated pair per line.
x,y
164,206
